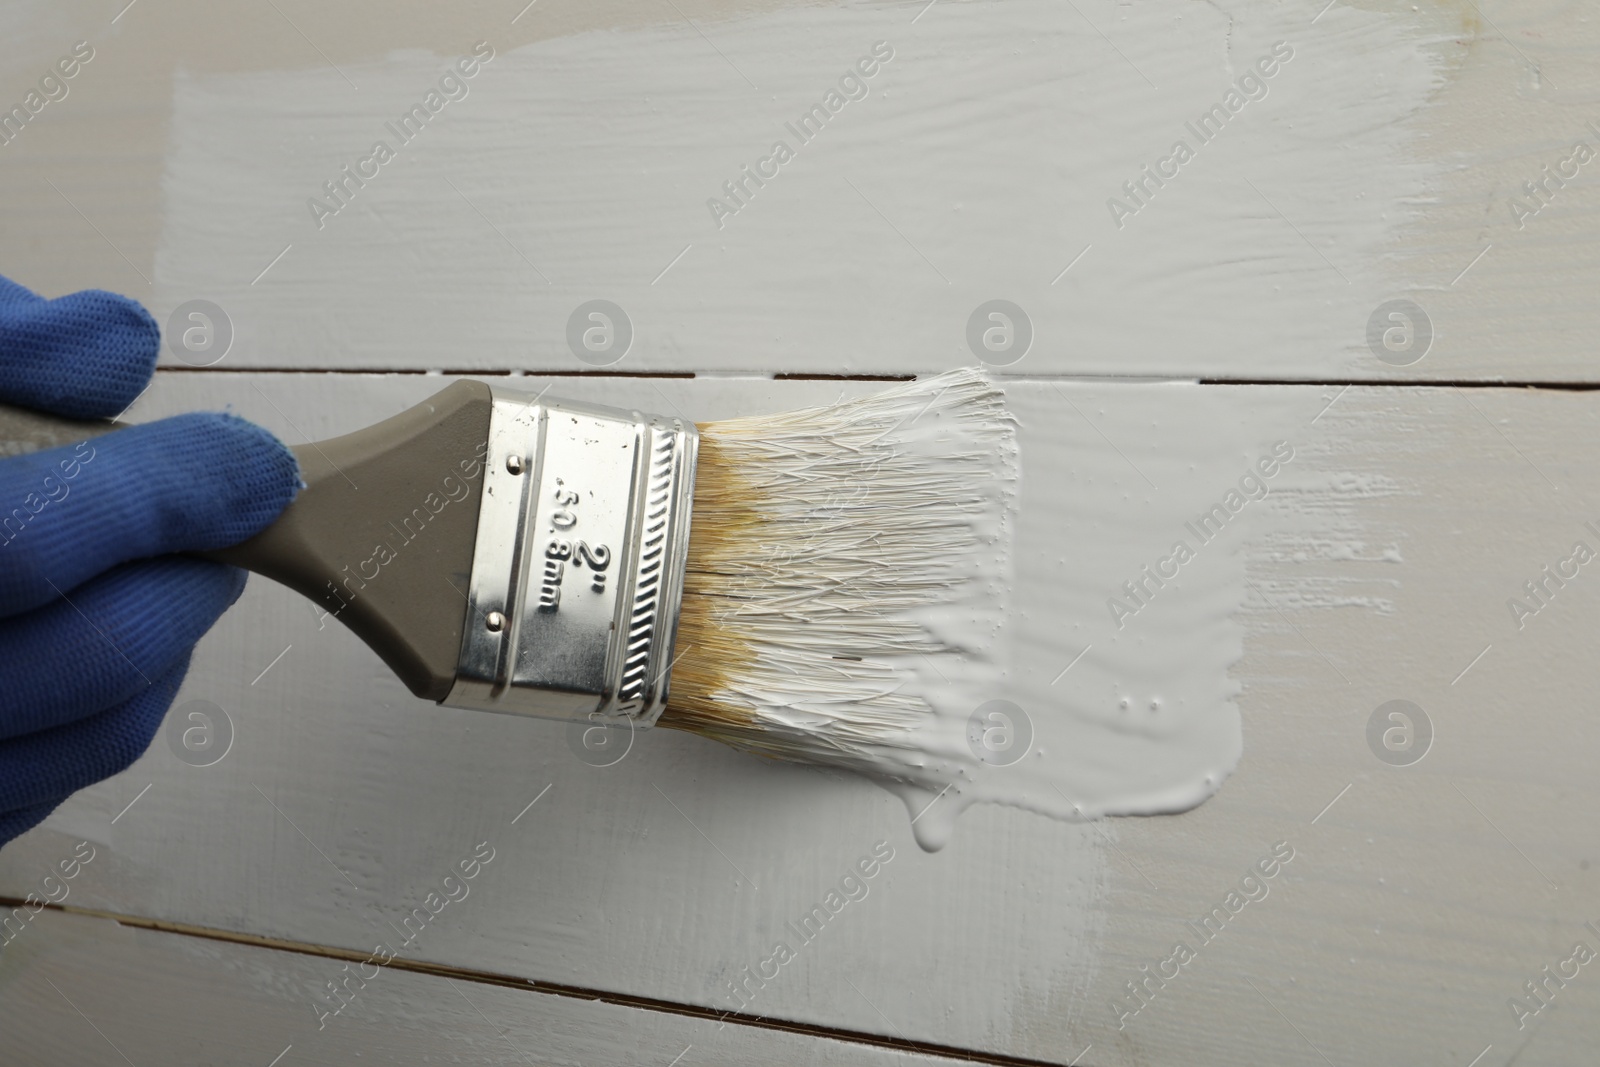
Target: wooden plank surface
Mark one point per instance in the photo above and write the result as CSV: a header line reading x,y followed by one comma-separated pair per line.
x,y
89,991
1417,902
1385,161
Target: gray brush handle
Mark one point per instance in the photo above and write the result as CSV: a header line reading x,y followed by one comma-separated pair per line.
x,y
382,534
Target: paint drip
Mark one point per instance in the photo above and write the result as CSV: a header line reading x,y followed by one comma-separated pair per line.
x,y
850,581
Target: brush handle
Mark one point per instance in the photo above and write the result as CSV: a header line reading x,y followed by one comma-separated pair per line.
x,y
382,534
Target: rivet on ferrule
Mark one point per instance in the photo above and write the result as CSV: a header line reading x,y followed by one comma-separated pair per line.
x,y
582,542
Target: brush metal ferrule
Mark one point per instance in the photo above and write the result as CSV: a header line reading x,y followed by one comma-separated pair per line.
x,y
577,575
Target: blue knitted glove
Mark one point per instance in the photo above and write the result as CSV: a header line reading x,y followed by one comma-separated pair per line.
x,y
97,614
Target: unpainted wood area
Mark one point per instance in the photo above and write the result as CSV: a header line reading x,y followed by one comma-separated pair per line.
x,y
89,991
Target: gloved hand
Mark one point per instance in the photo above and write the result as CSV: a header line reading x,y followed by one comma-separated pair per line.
x,y
97,614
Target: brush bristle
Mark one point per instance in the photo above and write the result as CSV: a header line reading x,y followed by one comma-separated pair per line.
x,y
835,553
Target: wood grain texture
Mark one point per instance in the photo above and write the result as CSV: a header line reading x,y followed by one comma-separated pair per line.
x,y
1382,163
1414,908
89,991
1420,900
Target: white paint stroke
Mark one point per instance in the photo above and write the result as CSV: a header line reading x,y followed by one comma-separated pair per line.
x,y
847,225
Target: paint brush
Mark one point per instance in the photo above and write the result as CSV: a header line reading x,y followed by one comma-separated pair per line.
x,y
780,583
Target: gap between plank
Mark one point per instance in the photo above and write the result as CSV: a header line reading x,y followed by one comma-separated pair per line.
x,y
1392,383
503,373
1418,383
425,371
668,1007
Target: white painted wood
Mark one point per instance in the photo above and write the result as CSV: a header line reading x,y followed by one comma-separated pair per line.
x,y
1415,905
87,991
1383,162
